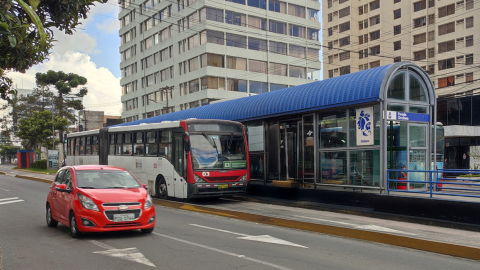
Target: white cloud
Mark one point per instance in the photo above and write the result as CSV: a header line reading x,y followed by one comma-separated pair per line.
x,y
78,41
109,26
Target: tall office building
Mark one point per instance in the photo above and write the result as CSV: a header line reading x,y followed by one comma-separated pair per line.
x,y
438,35
442,36
179,54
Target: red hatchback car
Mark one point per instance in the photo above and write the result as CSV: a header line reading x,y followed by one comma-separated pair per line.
x,y
97,198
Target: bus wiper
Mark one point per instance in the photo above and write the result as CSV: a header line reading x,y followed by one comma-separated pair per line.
x,y
211,142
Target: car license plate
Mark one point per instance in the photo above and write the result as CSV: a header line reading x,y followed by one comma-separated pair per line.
x,y
222,186
123,217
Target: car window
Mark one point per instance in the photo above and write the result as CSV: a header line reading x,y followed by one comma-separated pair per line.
x,y
67,179
103,179
59,177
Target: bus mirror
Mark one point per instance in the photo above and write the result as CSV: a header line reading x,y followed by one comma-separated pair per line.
x,y
186,144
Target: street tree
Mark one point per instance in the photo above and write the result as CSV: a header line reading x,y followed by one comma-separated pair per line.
x,y
26,32
36,130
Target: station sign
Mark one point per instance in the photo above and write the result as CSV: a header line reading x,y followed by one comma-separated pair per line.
x,y
406,116
365,126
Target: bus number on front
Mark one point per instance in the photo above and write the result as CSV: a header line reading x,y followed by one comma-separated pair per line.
x,y
205,173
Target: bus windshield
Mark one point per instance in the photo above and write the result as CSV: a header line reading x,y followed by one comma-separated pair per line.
x,y
213,151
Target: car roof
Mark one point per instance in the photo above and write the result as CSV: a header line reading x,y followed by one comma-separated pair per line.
x,y
97,167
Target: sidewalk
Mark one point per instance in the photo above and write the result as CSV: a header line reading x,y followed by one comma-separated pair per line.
x,y
338,221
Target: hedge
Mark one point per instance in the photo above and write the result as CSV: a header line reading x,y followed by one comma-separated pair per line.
x,y
39,164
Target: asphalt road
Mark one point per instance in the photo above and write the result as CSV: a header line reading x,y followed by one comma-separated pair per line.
x,y
186,240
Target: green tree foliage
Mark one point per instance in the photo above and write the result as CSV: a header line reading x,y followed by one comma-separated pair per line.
x,y
63,83
26,31
8,149
37,129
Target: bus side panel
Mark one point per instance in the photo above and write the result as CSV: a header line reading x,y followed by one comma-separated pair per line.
x,y
86,160
103,147
71,160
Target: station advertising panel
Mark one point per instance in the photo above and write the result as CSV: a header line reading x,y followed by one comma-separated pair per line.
x,y
365,126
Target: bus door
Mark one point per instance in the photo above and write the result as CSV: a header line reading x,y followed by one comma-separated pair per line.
x,y
417,154
179,165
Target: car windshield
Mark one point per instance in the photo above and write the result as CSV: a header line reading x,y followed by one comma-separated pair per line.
x,y
104,179
212,151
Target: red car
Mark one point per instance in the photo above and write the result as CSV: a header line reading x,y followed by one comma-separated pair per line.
x,y
97,198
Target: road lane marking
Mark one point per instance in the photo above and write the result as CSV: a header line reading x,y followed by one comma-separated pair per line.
x,y
129,254
368,227
223,251
258,238
14,198
11,201
4,189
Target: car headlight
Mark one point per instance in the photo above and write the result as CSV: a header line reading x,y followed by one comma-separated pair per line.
x,y
148,202
87,203
198,179
244,177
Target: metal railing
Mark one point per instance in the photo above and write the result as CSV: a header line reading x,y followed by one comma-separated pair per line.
x,y
434,182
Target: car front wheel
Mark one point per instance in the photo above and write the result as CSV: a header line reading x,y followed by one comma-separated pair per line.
x,y
50,221
74,232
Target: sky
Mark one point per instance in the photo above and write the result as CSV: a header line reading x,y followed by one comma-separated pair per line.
x,y
91,52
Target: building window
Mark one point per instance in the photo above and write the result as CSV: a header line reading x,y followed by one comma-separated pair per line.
x,y
257,66
419,22
397,59
258,3
431,69
419,5
469,22
421,38
296,31
235,18
330,73
397,13
193,64
397,45
241,2
277,27
396,1
469,77
257,44
446,46
375,20
236,63
446,28
397,29
212,83
469,59
375,50
375,35
277,69
344,56
194,86
297,72
420,55
431,3
345,70
344,27
257,23
375,64
236,41
278,47
297,51
312,34
277,6
469,4
313,54
312,14
447,81
431,36
344,41
210,36
446,10
330,17
295,10
275,87
192,42
344,12
237,85
212,60
212,14
469,41
258,87
374,5
431,52
446,64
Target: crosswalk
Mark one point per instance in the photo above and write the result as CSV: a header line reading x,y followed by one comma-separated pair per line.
x,y
10,200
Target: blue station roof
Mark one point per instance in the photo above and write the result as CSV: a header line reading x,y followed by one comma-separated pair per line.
x,y
355,88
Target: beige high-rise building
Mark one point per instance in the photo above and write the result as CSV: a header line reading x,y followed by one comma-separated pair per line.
x,y
441,36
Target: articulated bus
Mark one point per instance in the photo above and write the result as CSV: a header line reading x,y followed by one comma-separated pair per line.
x,y
181,159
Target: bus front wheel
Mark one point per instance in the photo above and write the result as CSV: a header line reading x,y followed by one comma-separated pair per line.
x,y
161,188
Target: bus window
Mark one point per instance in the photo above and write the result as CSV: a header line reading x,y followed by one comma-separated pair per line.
x,y
166,136
151,146
118,143
77,147
138,146
88,145
127,144
82,146
69,147
95,145
111,144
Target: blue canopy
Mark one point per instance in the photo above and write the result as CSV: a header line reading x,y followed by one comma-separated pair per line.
x,y
355,88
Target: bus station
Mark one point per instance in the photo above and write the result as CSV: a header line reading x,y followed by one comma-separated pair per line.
x,y
340,133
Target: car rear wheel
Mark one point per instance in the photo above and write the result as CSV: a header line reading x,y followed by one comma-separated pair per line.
x,y
74,232
147,230
50,221
162,191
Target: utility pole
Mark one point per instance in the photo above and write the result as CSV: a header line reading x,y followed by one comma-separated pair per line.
x,y
53,130
84,119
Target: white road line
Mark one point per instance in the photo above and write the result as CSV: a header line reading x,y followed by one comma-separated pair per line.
x,y
326,220
100,244
223,252
11,202
4,189
219,230
9,199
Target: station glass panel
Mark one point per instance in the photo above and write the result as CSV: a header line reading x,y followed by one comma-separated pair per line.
x,y
396,89
333,167
333,129
365,168
417,88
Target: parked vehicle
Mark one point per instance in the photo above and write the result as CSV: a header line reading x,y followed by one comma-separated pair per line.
x,y
99,198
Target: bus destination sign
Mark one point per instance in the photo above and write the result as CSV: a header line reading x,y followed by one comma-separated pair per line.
x,y
235,164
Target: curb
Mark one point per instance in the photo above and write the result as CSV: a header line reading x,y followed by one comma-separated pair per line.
x,y
32,171
3,173
34,178
377,237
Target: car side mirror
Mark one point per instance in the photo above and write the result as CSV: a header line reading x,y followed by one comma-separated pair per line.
x,y
63,188
145,186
